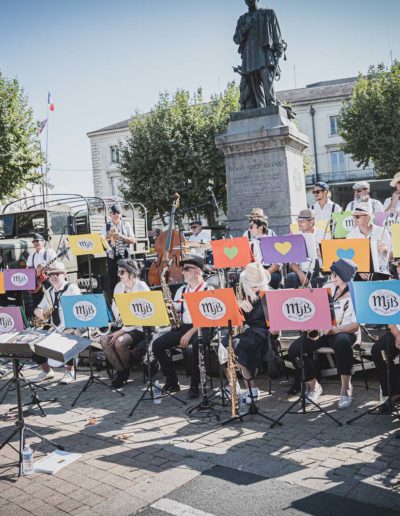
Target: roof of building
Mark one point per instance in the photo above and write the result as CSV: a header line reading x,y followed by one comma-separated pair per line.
x,y
335,88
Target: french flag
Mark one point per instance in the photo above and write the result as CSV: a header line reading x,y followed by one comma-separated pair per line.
x,y
50,103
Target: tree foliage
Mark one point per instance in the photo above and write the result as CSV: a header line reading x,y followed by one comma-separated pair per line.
x,y
19,148
172,149
370,121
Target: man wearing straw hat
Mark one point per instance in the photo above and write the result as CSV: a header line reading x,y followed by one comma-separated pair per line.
x,y
392,204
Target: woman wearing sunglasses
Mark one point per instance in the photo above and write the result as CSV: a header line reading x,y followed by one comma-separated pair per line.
x,y
118,345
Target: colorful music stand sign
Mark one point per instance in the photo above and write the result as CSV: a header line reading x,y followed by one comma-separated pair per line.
x,y
142,309
2,289
322,225
284,249
11,319
87,244
19,279
299,309
395,231
355,249
231,252
213,308
376,302
385,219
343,223
86,311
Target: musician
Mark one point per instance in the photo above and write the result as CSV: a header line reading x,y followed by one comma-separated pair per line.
x,y
323,207
362,194
340,337
118,344
380,237
258,228
392,204
37,260
252,343
386,349
120,237
51,303
192,268
200,236
256,213
306,272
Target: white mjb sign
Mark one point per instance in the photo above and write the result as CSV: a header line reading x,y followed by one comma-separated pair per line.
x,y
298,309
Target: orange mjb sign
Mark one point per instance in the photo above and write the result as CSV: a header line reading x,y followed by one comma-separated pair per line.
x,y
231,252
212,308
356,249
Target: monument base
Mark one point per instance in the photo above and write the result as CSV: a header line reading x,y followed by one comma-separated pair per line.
x,y
264,167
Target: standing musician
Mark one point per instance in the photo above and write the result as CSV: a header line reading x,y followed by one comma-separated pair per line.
x,y
306,272
380,237
120,236
392,204
50,308
36,260
117,345
340,337
192,267
323,207
361,194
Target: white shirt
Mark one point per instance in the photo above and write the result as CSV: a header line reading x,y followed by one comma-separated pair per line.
x,y
379,260
121,288
387,203
343,316
374,205
312,240
203,237
43,257
256,246
48,299
125,229
325,213
180,303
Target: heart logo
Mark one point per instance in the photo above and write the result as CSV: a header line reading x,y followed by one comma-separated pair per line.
x,y
231,252
283,247
345,253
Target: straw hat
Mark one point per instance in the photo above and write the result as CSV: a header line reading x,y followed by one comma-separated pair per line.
x,y
362,208
256,276
56,267
256,213
395,180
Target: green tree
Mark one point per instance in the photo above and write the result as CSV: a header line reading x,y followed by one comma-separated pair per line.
x,y
19,148
370,120
172,149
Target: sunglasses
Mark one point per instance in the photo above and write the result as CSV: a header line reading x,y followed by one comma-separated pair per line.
x,y
187,268
359,216
121,272
317,191
362,190
50,274
194,227
36,241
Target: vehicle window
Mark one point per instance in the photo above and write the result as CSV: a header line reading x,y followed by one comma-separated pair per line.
x,y
7,223
59,223
28,223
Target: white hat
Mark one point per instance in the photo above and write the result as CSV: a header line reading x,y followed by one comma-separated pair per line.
x,y
363,208
395,180
360,185
254,275
56,267
256,213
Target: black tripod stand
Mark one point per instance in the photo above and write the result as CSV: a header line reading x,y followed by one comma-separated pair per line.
x,y
303,396
20,423
150,384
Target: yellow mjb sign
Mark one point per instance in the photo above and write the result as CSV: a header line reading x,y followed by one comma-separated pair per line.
x,y
87,244
142,309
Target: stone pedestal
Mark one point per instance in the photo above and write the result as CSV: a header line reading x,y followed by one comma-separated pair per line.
x,y
264,167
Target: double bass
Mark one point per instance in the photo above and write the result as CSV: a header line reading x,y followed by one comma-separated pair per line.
x,y
167,246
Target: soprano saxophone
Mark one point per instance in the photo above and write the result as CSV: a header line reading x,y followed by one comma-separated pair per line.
x,y
173,315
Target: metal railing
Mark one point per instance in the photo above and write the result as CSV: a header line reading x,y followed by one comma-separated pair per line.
x,y
341,176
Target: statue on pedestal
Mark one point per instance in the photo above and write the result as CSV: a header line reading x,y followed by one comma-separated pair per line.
x,y
260,46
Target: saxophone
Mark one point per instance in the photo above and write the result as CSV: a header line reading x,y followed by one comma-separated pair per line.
x,y
173,315
231,374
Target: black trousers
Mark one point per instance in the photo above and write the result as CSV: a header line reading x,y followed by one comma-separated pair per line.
x,y
341,343
171,340
386,344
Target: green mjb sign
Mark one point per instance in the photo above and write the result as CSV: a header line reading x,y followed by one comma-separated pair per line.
x,y
343,224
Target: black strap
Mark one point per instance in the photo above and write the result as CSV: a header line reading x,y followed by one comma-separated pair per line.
x,y
345,290
55,315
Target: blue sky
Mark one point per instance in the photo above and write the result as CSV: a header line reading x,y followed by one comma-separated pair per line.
x,y
103,59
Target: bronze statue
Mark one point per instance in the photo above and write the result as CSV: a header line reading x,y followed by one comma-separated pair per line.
x,y
260,46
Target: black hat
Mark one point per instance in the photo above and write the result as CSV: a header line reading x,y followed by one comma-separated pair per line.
x,y
130,266
115,208
345,269
196,223
38,236
193,259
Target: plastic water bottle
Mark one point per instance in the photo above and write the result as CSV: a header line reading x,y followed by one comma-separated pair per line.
x,y
157,392
242,404
27,460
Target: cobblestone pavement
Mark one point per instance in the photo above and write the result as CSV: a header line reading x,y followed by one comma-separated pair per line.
x,y
128,463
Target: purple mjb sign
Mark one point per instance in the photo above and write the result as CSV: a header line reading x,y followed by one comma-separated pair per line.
x,y
283,249
19,279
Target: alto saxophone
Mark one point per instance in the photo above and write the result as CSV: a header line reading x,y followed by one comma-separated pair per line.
x,y
173,315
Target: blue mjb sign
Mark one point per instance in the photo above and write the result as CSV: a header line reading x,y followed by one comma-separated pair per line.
x,y
376,302
86,311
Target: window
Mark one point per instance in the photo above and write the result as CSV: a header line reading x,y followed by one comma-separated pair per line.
x,y
333,124
114,154
337,162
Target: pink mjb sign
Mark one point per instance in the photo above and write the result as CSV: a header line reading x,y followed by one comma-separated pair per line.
x,y
11,319
299,309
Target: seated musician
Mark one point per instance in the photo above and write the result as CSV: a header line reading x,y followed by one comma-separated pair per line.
x,y
192,267
200,237
252,344
340,337
38,259
50,308
380,237
385,350
118,344
302,274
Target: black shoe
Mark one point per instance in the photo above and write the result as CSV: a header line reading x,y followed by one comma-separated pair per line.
x,y
169,387
120,378
193,393
294,389
387,407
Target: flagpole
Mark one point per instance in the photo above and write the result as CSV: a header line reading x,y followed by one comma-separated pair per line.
x,y
47,152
